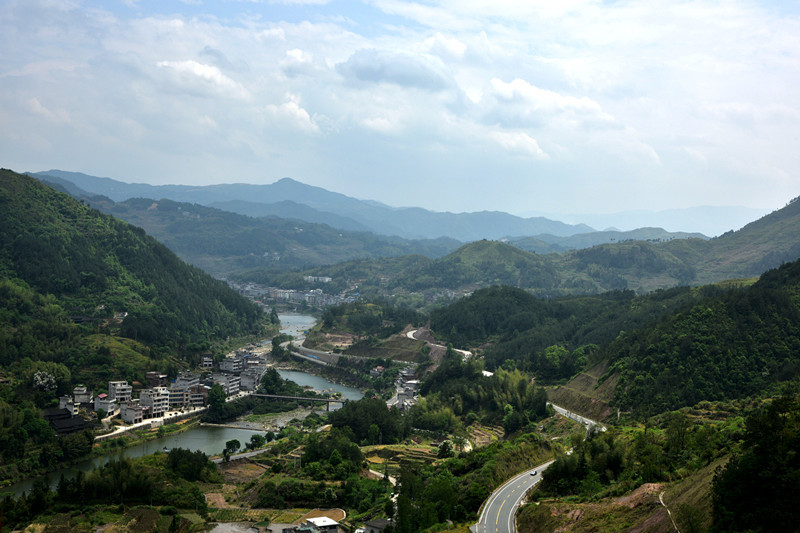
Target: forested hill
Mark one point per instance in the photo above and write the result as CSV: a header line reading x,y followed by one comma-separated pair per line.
x,y
763,244
221,242
731,345
552,337
664,350
99,268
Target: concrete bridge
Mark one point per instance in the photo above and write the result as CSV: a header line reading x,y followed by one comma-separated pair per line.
x,y
329,401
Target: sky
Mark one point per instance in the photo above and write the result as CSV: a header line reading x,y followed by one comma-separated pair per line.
x,y
568,106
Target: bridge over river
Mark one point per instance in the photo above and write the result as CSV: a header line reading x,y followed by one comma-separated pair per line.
x,y
329,401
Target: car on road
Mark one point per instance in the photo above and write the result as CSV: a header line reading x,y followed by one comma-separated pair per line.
x,y
533,473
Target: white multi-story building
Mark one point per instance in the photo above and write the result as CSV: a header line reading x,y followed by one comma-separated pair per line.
x,y
120,391
81,394
102,401
65,402
131,412
185,380
232,364
157,399
229,382
178,397
250,378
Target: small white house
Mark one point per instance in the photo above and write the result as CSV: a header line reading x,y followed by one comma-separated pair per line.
x,y
323,523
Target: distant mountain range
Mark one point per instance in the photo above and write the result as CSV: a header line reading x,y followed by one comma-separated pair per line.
x,y
280,236
709,220
322,206
641,265
543,244
221,242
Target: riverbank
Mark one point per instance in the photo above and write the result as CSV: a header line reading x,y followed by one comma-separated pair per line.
x,y
136,436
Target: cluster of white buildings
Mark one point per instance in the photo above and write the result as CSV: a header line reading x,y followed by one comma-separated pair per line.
x,y
314,297
241,372
407,384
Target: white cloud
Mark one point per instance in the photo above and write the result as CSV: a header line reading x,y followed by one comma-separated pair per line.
x,y
537,99
57,116
403,68
191,72
444,46
272,33
301,2
519,143
519,104
291,115
380,124
297,63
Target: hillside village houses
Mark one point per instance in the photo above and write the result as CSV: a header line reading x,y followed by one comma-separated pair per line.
x,y
240,372
103,402
407,386
119,391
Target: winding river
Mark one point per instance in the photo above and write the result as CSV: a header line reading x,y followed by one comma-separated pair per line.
x,y
208,439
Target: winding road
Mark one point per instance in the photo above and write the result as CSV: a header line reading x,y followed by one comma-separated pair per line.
x,y
500,510
498,514
464,353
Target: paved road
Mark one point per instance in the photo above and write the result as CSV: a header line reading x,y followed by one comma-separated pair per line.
x,y
464,353
500,510
242,455
577,418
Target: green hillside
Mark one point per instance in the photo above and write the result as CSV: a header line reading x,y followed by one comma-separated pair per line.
x,y
483,263
730,345
84,299
221,242
668,349
99,267
766,243
550,337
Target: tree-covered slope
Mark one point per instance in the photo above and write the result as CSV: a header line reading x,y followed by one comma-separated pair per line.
x,y
758,246
98,267
646,266
222,242
473,265
483,263
731,345
669,349
551,337
84,299
541,244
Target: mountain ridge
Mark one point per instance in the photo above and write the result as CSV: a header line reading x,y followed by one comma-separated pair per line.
x,y
408,222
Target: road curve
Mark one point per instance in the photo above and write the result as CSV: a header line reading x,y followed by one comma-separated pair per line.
x,y
500,510
464,353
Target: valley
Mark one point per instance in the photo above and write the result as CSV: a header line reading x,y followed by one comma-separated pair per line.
x,y
459,372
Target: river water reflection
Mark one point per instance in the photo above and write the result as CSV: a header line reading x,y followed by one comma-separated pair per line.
x,y
208,439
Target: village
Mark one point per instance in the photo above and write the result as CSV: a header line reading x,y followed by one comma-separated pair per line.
x,y
159,399
126,406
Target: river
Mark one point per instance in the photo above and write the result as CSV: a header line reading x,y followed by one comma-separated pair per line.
x,y
296,325
208,439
